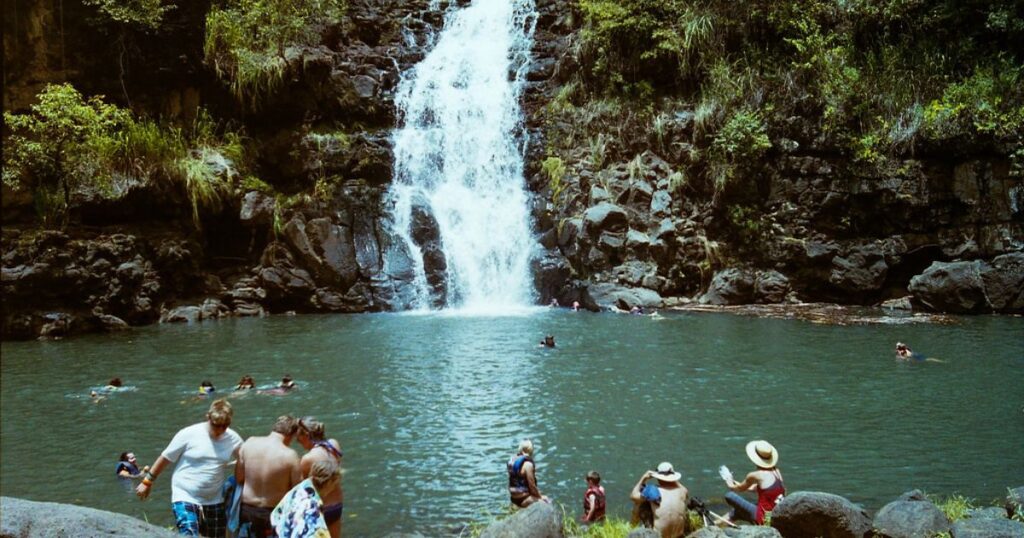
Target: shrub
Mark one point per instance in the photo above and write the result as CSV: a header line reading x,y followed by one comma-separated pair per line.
x,y
554,168
65,143
246,39
147,14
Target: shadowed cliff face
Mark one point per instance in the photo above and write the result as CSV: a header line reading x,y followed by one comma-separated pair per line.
x,y
630,220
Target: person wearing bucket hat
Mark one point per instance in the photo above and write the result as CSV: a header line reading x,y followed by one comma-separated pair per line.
x,y
667,500
766,481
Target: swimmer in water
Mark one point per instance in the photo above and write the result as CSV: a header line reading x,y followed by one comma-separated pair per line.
x,y
548,341
206,388
96,397
245,383
114,384
575,306
287,383
904,353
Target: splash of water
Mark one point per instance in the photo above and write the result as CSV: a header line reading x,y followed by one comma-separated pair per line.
x,y
459,161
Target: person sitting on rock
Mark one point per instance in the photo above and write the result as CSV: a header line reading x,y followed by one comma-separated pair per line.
x,y
766,481
522,477
667,500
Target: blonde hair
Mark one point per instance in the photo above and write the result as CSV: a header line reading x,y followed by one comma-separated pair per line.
x,y
323,472
220,412
313,427
526,447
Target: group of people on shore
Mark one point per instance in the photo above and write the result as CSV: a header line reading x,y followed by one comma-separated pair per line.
x,y
273,491
660,500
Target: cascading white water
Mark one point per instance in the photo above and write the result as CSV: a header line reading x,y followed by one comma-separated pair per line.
x,y
459,156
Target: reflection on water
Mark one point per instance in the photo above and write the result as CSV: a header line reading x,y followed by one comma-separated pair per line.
x,y
429,407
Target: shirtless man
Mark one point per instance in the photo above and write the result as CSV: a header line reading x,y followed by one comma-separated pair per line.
x,y
267,468
311,437
668,500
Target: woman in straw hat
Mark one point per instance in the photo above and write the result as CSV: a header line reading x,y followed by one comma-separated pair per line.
x,y
766,481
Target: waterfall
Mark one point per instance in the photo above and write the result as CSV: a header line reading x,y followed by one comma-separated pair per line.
x,y
458,200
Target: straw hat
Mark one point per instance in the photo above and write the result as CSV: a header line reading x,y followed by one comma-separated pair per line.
x,y
763,454
666,473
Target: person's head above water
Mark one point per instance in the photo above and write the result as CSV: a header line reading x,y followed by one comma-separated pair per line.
x,y
548,341
206,387
115,382
287,382
900,346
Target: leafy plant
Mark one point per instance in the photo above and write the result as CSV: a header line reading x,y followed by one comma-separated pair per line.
x,y
64,143
147,14
246,39
554,168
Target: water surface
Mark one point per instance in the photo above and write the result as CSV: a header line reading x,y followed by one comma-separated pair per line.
x,y
429,407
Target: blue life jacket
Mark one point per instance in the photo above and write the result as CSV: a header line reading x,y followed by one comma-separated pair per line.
x,y
126,466
516,480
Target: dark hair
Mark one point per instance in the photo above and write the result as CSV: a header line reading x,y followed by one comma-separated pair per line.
x,y
116,382
124,456
594,477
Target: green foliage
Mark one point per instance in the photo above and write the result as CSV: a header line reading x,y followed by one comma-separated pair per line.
x,y
990,101
598,150
743,139
246,39
554,168
67,145
955,507
147,14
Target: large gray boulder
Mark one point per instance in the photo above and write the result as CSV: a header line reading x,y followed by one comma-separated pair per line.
x,y
29,519
910,519
814,514
1004,282
540,520
730,286
987,528
743,531
624,298
862,270
954,287
646,532
605,217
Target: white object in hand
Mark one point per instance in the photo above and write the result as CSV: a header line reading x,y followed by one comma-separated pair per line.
x,y
725,473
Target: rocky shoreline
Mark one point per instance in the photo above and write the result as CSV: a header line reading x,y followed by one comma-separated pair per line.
x,y
802,514
628,221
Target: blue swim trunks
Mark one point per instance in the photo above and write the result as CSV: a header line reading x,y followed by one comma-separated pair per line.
x,y
200,520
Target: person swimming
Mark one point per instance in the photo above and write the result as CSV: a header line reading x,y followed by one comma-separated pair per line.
x,y
903,352
206,388
114,384
287,383
548,341
245,383
96,397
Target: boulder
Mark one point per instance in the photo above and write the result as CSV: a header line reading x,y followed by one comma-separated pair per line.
x,y
29,519
1004,283
257,209
661,203
605,217
991,512
955,287
770,287
612,295
910,519
730,286
540,520
902,303
181,314
987,528
752,531
814,514
337,252
646,532
568,231
550,274
703,532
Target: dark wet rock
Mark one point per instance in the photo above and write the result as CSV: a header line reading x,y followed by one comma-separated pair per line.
x,y
637,194
987,528
257,209
605,217
661,203
861,271
955,287
287,285
569,231
811,514
57,325
29,519
770,287
181,314
550,275
539,520
730,286
1004,283
111,323
910,519
336,252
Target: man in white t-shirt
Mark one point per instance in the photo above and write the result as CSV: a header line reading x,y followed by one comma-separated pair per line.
x,y
203,452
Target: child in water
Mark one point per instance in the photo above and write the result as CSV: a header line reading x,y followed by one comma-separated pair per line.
x,y
548,341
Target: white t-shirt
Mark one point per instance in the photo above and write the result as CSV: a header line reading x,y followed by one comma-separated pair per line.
x,y
201,463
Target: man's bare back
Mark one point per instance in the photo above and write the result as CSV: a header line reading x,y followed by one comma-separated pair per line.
x,y
670,516
270,467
